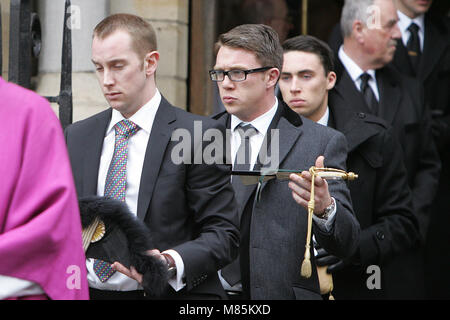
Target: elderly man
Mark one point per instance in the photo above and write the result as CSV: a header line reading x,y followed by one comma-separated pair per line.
x,y
370,32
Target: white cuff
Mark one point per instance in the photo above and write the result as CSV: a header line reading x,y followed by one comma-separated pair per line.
x,y
327,225
177,282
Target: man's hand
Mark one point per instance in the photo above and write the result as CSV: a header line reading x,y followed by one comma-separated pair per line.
x,y
301,189
132,273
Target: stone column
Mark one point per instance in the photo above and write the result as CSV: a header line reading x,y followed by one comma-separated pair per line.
x,y
5,4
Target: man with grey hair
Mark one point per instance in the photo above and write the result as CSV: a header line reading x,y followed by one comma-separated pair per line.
x,y
273,217
370,33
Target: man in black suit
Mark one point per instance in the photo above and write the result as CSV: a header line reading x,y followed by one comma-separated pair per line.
x,y
374,86
381,197
424,53
188,206
273,218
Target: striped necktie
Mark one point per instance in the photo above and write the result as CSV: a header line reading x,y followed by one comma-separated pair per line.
x,y
116,181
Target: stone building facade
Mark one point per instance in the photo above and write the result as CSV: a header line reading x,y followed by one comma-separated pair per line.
x,y
168,17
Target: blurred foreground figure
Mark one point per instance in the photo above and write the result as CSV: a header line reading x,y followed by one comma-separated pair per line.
x,y
41,255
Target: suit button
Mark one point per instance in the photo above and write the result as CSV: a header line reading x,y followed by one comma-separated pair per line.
x,y
380,235
362,115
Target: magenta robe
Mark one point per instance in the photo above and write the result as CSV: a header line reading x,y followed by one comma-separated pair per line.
x,y
40,228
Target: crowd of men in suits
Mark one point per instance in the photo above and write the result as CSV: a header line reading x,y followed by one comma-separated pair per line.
x,y
375,102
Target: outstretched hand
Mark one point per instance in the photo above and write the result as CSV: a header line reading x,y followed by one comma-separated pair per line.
x,y
132,272
301,189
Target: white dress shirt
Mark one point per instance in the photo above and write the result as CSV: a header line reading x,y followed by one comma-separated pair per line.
x,y
355,72
137,146
325,118
261,124
405,21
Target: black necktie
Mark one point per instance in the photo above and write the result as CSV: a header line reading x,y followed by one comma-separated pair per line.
x,y
244,153
232,272
413,46
368,94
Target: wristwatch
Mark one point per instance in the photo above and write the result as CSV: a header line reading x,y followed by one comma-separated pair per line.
x,y
328,210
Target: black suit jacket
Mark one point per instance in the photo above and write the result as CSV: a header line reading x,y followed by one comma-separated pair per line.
x,y
187,207
434,68
434,74
381,198
401,106
276,234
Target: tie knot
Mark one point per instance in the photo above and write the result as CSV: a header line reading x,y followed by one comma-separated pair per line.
x,y
413,28
365,77
246,130
126,128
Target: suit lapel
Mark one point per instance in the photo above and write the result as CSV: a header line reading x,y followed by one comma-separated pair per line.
x,y
390,95
346,88
288,125
433,47
162,129
401,60
346,121
93,151
287,122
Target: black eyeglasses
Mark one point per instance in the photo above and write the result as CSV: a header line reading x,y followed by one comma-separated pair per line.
x,y
234,75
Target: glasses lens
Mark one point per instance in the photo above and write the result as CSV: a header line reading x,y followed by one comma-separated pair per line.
x,y
216,75
236,75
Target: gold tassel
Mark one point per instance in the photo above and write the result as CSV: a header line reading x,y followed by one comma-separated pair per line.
x,y
306,270
330,297
324,173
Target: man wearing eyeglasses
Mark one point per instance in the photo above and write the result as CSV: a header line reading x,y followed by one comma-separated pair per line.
x,y
273,215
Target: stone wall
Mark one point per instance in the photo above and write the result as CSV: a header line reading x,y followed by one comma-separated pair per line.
x,y
168,17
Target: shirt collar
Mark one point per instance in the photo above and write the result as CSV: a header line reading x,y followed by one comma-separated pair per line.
x,y
141,117
405,21
352,68
261,123
324,120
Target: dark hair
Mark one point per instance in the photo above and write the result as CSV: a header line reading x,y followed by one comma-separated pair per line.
x,y
142,33
312,45
260,39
